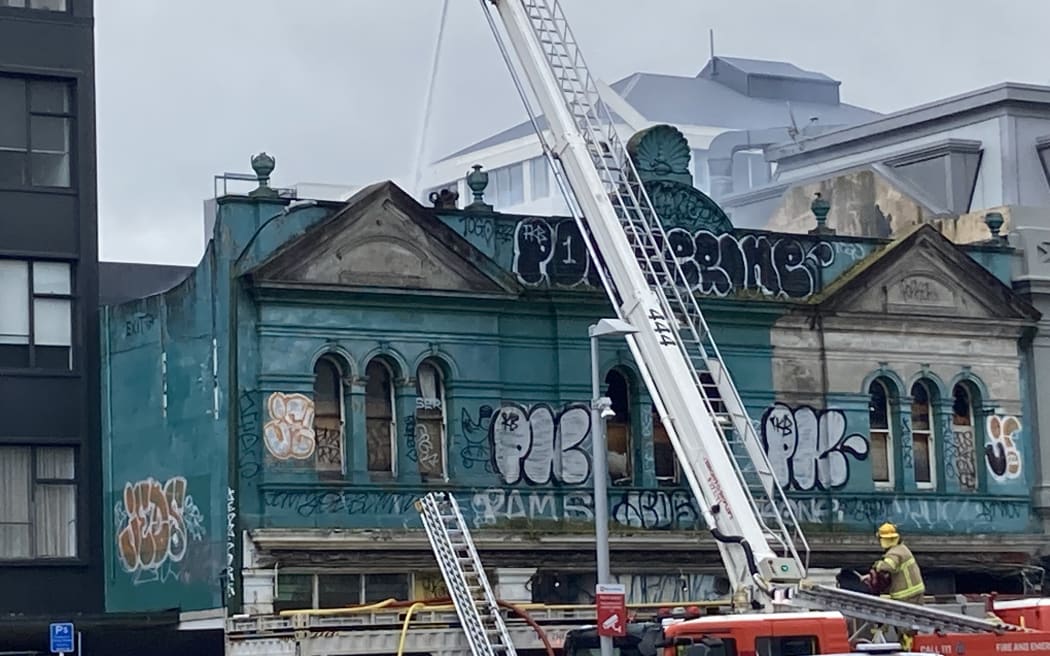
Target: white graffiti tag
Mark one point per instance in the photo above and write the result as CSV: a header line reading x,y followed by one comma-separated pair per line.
x,y
808,448
538,445
290,431
1002,449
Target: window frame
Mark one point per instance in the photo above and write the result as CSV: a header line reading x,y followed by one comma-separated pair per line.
x,y
69,116
628,389
27,6
315,584
32,296
393,425
887,394
930,432
442,398
340,399
36,482
977,436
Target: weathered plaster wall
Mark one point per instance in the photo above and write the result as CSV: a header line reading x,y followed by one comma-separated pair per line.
x,y
863,204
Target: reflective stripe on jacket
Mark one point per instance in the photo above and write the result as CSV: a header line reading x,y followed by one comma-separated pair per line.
x,y
905,577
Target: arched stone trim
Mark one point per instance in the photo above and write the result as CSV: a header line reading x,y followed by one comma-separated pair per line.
x,y
897,389
967,376
448,366
933,380
397,363
341,356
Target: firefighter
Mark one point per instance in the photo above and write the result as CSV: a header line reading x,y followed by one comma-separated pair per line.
x,y
896,574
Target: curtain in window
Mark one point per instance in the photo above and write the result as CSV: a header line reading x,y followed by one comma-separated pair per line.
x,y
15,502
55,504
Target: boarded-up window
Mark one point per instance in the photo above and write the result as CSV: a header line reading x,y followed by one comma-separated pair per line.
x,y
430,422
664,458
328,415
960,449
379,417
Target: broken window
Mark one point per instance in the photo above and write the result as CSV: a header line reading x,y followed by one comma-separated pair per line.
x,y
430,422
664,459
960,453
880,435
328,414
380,426
922,434
618,427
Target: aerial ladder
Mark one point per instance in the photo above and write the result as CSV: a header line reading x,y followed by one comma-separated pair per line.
x,y
742,502
721,455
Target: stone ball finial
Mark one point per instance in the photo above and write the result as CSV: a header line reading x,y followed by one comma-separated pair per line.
x,y
263,165
478,180
994,221
820,208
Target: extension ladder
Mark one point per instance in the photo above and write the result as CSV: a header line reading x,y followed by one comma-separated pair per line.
x,y
475,603
861,606
570,99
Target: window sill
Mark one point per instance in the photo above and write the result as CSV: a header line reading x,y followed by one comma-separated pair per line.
x,y
43,562
63,191
40,373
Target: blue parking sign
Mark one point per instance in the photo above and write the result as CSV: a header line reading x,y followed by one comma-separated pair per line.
x,y
62,638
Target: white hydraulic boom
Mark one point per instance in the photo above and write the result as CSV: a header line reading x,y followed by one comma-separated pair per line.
x,y
720,453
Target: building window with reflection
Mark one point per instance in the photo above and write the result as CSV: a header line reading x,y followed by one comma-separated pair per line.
x,y
36,122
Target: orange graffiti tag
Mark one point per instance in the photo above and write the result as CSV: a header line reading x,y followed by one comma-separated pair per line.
x,y
154,532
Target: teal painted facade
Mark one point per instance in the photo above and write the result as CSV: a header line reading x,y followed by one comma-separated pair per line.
x,y
214,424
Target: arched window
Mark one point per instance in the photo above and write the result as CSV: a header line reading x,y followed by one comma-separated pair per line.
x,y
664,459
379,418
430,422
328,414
960,449
880,435
922,434
618,428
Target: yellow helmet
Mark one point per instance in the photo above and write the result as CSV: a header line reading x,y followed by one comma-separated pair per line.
x,y
888,532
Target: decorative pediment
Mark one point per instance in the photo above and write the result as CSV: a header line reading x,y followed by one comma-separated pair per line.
x,y
923,274
661,156
383,238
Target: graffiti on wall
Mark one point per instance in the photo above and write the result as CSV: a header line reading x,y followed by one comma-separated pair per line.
x,y
155,525
672,588
553,253
648,509
475,451
948,514
248,429
289,431
960,455
808,448
539,445
231,542
1002,449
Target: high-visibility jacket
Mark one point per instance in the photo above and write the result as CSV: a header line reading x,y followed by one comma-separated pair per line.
x,y
905,578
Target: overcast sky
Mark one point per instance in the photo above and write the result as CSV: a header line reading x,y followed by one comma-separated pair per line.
x,y
333,89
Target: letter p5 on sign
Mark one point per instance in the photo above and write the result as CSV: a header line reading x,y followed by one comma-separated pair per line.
x,y
610,600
